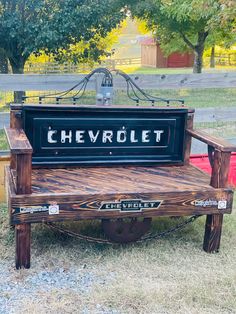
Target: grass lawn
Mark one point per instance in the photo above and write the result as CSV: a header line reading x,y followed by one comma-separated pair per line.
x,y
171,275
195,98
149,70
3,141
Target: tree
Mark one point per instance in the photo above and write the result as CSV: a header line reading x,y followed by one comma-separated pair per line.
x,y
32,26
184,24
3,62
89,51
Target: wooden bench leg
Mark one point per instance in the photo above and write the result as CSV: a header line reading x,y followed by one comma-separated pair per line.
x,y
212,236
23,239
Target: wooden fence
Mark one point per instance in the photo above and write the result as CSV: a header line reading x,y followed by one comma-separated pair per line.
x,y
68,67
56,68
223,59
37,82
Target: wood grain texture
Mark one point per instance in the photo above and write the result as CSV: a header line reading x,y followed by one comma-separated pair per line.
x,y
23,173
18,141
219,179
220,169
79,192
120,180
188,138
37,82
72,207
16,117
213,229
216,142
23,239
15,123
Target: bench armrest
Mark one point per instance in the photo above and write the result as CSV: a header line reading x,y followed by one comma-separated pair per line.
x,y
216,142
21,159
18,141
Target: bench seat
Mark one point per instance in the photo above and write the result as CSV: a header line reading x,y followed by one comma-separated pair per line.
x,y
119,180
79,192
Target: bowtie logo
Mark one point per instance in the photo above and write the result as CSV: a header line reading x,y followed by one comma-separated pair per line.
x,y
131,205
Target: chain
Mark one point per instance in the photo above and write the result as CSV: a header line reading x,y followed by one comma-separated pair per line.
x,y
78,235
148,237
162,234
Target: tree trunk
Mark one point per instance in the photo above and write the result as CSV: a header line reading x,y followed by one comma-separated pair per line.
x,y
212,60
198,58
3,62
198,51
17,65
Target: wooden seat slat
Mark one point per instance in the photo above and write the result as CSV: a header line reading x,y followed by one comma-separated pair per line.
x,y
118,180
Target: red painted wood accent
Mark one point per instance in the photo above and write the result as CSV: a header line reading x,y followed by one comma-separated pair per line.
x,y
179,60
202,162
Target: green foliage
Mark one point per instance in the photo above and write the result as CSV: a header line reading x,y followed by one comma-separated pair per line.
x,y
33,26
89,51
185,24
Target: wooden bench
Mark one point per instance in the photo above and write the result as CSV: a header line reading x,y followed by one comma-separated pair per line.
x,y
109,163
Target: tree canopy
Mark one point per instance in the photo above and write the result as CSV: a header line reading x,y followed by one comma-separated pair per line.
x,y
186,24
32,26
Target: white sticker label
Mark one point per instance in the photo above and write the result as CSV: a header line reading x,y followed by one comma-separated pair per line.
x,y
53,210
222,204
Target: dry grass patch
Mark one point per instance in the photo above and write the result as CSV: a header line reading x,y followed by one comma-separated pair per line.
x,y
171,275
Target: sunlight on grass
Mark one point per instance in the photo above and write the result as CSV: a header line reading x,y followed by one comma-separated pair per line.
x,y
3,141
138,69
5,99
195,98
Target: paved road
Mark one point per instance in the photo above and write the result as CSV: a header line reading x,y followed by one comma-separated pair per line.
x,y
4,119
215,114
201,148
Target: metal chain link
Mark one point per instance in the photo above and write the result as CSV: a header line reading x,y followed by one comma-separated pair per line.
x,y
162,234
149,237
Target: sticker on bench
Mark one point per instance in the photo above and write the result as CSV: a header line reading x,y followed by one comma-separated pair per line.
x,y
222,204
51,209
33,209
211,203
131,205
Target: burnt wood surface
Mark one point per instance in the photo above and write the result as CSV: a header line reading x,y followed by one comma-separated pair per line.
x,y
80,192
23,239
18,142
15,123
216,142
219,179
21,164
23,175
87,207
121,180
188,138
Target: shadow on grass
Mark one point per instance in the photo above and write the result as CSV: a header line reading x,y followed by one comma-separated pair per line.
x,y
45,238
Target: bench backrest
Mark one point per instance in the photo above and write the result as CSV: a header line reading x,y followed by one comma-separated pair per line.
x,y
90,135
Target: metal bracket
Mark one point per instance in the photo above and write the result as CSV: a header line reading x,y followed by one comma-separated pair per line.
x,y
211,151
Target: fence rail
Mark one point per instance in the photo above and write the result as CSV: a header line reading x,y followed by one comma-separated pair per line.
x,y
223,59
56,68
212,119
37,82
68,67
